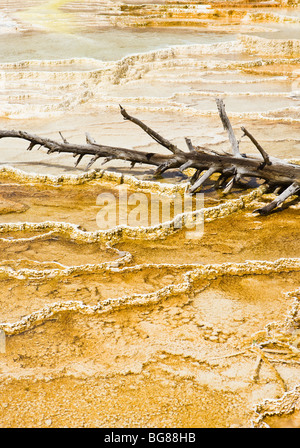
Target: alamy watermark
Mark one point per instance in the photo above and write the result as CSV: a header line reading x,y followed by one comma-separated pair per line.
x,y
178,211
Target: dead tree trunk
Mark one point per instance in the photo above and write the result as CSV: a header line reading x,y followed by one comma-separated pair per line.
x,y
231,168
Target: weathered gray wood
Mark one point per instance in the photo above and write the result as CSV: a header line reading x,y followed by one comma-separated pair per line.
x,y
264,154
230,167
158,138
279,172
290,191
202,179
189,144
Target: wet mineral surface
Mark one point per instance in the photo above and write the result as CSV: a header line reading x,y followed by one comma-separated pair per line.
x,y
146,325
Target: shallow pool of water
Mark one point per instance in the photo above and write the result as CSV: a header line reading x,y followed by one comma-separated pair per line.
x,y
104,44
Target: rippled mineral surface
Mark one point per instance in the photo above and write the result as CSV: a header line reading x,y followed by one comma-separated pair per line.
x,y
146,325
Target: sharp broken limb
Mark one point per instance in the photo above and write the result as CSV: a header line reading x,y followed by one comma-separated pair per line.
x,y
228,187
264,154
201,180
31,146
79,159
157,137
186,165
91,162
106,160
189,144
90,139
165,166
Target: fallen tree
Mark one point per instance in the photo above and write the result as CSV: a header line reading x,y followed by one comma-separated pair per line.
x,y
232,168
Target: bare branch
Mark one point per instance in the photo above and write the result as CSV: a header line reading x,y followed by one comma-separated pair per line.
x,y
205,161
158,138
202,179
90,139
91,162
63,138
172,163
186,165
79,159
189,144
290,191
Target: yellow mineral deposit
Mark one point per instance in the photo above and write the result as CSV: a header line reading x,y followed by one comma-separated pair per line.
x,y
140,326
